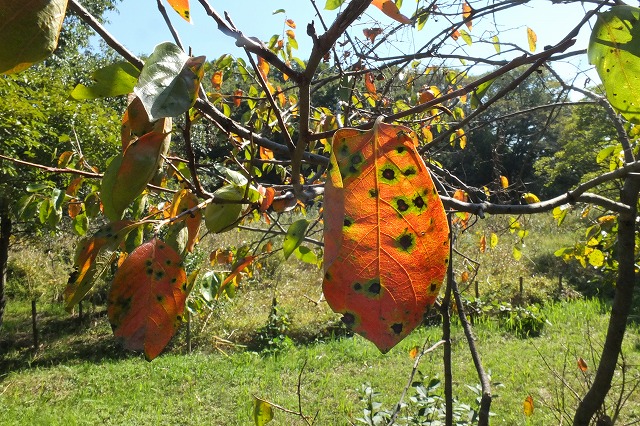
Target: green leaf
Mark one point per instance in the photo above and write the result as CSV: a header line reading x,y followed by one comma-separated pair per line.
x,y
219,217
169,82
262,412
559,214
29,32
36,187
80,224
596,258
333,4
614,49
306,255
478,94
113,80
275,12
294,237
605,153
466,37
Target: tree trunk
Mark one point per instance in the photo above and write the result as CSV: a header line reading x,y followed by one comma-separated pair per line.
x,y
620,308
5,234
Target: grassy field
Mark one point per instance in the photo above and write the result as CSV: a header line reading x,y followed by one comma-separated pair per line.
x,y
79,375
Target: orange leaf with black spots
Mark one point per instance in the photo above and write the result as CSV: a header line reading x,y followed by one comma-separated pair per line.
x,y
182,7
386,234
147,298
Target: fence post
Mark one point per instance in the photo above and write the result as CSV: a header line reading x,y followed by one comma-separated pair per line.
x,y
34,324
475,284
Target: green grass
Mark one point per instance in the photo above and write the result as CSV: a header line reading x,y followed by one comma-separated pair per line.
x,y
103,385
80,375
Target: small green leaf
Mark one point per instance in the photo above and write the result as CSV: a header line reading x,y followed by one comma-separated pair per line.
x,y
80,224
113,80
333,4
605,153
294,237
262,412
466,37
36,187
478,94
275,12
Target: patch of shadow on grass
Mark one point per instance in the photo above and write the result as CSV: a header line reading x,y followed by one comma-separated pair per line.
x,y
62,341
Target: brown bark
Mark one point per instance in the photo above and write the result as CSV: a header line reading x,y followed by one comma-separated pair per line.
x,y
620,308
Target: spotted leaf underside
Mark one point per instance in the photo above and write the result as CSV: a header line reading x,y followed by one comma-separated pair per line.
x,y
147,298
386,233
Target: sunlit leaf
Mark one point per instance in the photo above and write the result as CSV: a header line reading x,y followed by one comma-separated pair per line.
x,y
385,233
517,253
294,237
113,80
369,83
596,258
290,23
87,261
185,201
493,240
582,365
528,406
504,182
262,411
559,213
389,8
466,13
240,266
263,67
462,138
147,298
305,254
496,43
169,81
29,32
182,7
128,174
530,198
483,243
216,80
466,37
478,94
413,352
532,38
219,217
614,49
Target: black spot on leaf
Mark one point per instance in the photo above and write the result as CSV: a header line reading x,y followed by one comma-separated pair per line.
x,y
418,202
347,222
348,319
432,287
388,174
400,149
357,286
402,205
406,241
397,328
409,171
373,193
374,287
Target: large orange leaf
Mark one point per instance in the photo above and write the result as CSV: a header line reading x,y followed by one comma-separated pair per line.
x,y
389,8
386,234
93,257
147,298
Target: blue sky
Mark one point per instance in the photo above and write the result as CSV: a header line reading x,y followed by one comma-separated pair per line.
x,y
139,25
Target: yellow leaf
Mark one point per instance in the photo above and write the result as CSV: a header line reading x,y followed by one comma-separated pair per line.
x,y
493,240
504,182
290,23
483,243
464,277
413,352
530,198
262,412
291,34
528,406
532,38
462,137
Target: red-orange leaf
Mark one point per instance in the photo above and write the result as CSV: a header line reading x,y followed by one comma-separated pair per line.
x,y
237,97
582,365
372,33
369,80
290,23
386,235
240,266
389,8
182,7
147,298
